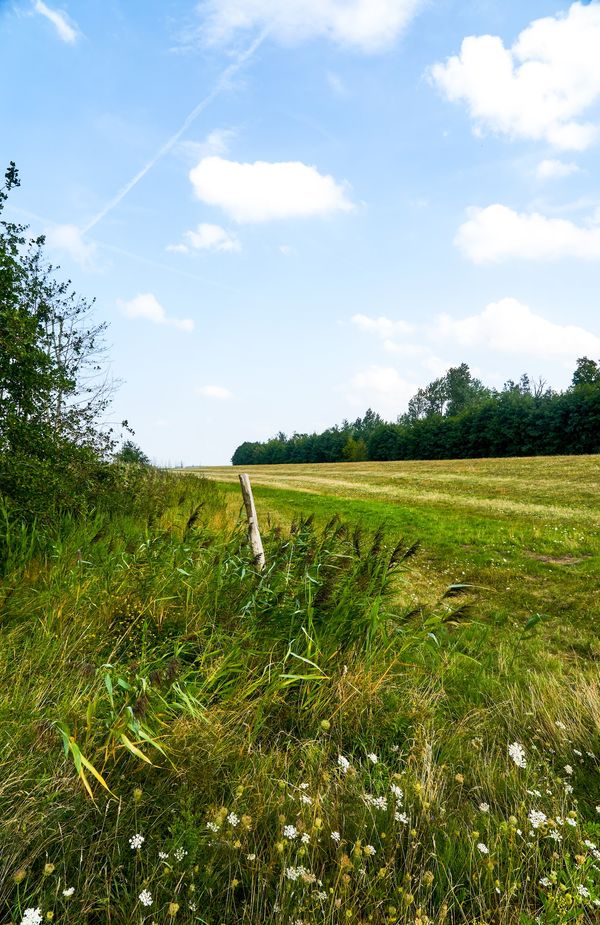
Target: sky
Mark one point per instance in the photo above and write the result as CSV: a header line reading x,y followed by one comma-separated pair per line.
x,y
289,211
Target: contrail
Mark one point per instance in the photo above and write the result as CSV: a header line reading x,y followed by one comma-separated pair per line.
x,y
202,105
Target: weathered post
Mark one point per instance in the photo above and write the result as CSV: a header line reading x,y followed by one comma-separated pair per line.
x,y
253,531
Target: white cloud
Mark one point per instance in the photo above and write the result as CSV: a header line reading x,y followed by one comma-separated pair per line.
x,y
214,391
540,88
498,233
381,388
555,170
263,191
508,326
365,25
68,239
146,306
206,237
216,142
64,26
287,250
382,326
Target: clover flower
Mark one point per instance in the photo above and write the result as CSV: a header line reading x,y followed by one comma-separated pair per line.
x,y
136,841
145,898
517,753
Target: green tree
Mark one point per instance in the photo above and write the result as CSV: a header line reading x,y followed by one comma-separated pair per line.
x,y
131,453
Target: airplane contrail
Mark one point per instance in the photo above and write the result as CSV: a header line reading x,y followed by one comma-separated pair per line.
x,y
220,85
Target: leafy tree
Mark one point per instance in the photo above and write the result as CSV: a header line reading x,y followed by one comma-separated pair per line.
x,y
131,453
587,372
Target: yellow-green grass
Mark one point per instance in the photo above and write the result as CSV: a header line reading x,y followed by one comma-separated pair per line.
x,y
528,530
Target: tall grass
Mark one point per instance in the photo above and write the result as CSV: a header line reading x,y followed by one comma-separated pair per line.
x,y
296,745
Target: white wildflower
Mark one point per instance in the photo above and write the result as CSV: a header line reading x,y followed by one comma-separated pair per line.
x,y
578,753
69,891
583,891
145,898
598,809
304,798
568,769
343,763
559,725
373,758
483,848
534,793
251,857
305,838
397,792
484,807
32,916
233,819
290,831
517,753
555,834
293,873
537,818
212,826
370,850
303,786
180,853
336,837
136,841
163,856
568,787
377,802
321,896
401,817
571,821
395,748
589,844
545,882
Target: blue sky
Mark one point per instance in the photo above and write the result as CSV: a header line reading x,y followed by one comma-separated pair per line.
x,y
291,210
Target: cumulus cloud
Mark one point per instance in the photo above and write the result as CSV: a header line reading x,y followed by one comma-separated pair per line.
x,y
216,142
509,326
382,326
263,191
365,25
65,28
381,388
214,391
146,306
554,170
498,233
206,237
540,88
68,239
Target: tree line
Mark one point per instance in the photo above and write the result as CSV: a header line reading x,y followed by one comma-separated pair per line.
x,y
456,416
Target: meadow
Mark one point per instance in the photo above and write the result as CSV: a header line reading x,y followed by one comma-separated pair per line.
x,y
397,721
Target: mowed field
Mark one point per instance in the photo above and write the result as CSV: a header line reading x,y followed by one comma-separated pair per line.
x,y
525,531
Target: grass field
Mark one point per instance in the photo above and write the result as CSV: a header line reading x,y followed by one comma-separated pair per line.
x,y
528,530
361,734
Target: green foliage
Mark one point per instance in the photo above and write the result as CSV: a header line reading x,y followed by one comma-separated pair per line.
x,y
457,417
131,453
53,392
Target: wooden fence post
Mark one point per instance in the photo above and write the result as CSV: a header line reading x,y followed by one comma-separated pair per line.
x,y
253,531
